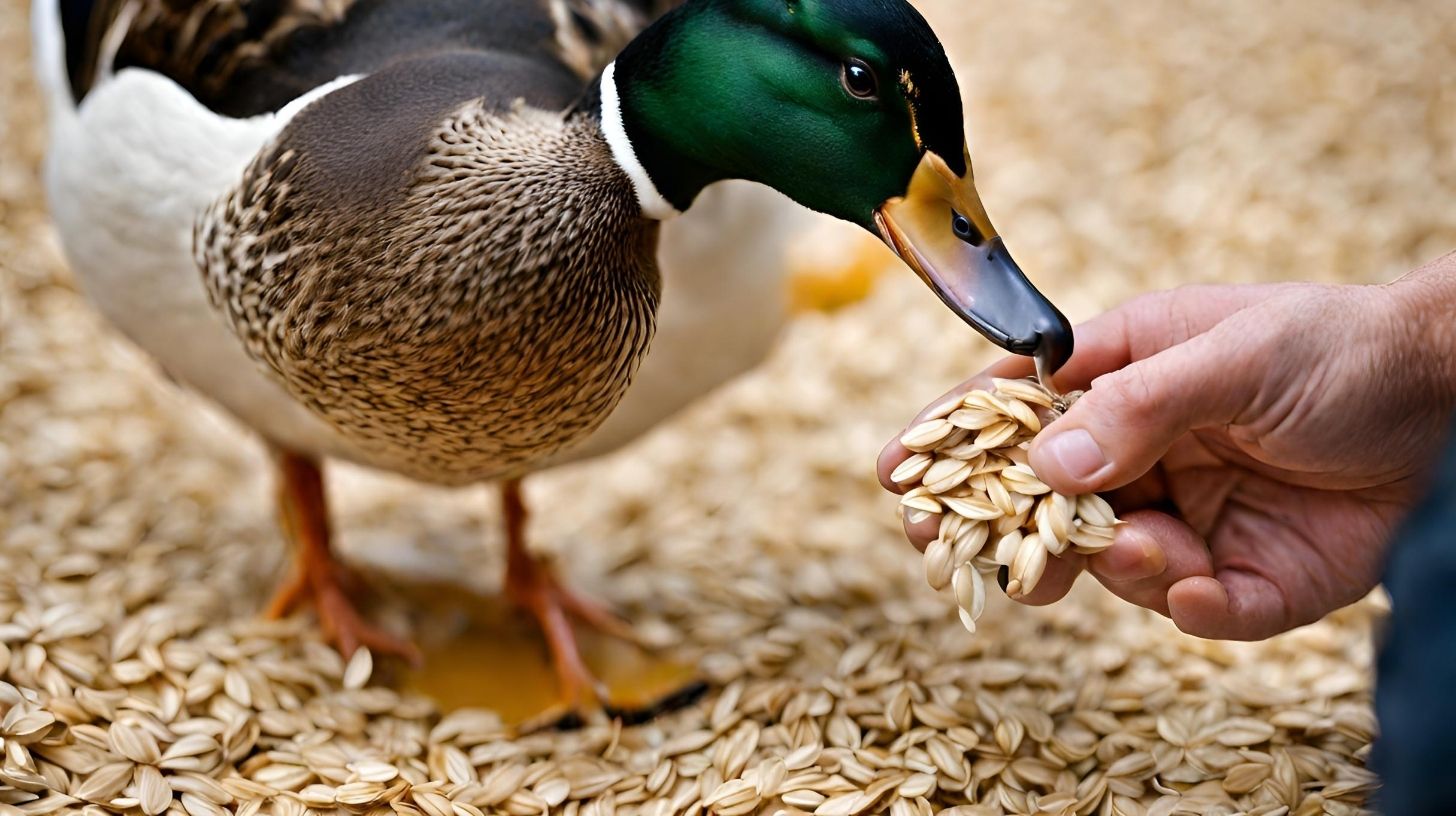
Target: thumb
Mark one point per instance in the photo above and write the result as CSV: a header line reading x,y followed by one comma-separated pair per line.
x,y
1130,418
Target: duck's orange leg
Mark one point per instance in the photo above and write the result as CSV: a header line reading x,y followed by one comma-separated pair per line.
x,y
319,576
534,587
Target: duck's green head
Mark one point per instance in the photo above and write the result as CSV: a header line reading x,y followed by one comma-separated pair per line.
x,y
849,107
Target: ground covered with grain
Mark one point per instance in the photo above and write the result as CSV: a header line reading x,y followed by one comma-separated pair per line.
x,y
1120,147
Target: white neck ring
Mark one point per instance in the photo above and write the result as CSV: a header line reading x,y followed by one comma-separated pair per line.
x,y
652,203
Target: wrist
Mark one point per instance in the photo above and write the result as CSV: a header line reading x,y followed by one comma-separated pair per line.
x,y
1423,310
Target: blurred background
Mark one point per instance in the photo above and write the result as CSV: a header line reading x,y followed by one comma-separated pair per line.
x,y
1119,147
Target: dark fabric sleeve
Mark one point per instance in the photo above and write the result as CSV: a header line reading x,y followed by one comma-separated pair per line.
x,y
1415,693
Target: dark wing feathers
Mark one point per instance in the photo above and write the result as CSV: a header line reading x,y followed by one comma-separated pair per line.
x,y
205,45
245,57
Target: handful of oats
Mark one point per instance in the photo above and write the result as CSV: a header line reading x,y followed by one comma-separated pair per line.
x,y
969,467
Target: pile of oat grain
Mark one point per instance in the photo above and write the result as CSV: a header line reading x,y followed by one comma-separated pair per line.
x,y
968,469
1120,147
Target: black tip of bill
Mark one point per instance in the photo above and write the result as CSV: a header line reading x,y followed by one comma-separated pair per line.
x,y
1003,305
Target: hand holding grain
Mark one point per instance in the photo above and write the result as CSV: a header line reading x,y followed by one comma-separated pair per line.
x,y
1262,442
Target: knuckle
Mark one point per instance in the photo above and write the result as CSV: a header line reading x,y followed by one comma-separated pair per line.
x,y
1130,394
1152,305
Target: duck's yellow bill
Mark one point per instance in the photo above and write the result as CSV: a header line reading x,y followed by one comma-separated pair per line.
x,y
941,230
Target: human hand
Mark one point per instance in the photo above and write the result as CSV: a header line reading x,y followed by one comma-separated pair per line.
x,y
1262,442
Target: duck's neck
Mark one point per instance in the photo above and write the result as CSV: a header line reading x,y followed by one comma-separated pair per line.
x,y
624,151
665,102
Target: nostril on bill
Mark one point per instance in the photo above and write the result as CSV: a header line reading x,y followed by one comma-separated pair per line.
x,y
965,229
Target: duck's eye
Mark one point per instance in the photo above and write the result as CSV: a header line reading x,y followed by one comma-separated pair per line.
x,y
859,79
965,230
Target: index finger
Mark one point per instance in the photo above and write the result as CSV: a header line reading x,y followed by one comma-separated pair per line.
x,y
1151,323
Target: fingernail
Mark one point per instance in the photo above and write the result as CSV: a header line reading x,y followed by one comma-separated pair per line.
x,y
1076,452
1133,557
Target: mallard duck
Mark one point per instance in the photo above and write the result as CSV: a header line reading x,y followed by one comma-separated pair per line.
x,y
422,235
